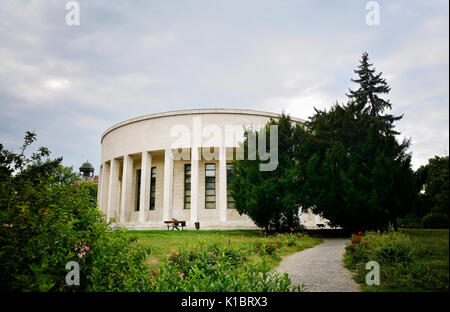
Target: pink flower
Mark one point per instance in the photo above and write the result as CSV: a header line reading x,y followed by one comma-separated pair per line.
x,y
81,254
181,275
86,248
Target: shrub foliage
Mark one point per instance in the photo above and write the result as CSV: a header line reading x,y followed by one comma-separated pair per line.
x,y
405,263
48,220
215,266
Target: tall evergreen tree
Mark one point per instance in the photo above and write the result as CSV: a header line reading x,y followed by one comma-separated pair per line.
x,y
353,171
370,86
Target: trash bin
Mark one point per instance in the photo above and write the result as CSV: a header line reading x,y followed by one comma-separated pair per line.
x,y
197,225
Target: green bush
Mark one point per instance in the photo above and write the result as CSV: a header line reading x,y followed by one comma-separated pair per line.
x,y
267,248
435,221
66,226
410,222
205,256
404,262
392,247
47,220
216,267
117,264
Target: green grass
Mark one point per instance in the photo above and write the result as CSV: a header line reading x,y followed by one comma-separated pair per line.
x,y
427,272
162,242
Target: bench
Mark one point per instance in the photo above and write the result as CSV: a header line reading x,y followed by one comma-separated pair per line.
x,y
320,225
175,224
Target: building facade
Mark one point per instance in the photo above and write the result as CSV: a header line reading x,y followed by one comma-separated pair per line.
x,y
175,165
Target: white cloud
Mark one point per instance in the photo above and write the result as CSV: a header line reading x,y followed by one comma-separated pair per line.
x,y
57,84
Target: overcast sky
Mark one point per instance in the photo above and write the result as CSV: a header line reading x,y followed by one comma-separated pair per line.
x,y
131,58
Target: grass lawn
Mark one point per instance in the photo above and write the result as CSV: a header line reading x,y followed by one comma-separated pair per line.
x,y
428,272
162,242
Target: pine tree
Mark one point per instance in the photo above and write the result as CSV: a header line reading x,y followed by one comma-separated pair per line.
x,y
353,170
371,85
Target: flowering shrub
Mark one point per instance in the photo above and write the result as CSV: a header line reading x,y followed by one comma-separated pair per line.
x,y
67,227
357,238
267,248
49,220
216,267
205,256
400,257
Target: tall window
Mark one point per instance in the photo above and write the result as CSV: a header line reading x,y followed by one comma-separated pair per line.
x,y
187,186
152,188
230,200
210,186
138,189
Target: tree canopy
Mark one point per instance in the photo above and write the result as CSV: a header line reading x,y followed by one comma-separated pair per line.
x,y
268,197
354,171
345,163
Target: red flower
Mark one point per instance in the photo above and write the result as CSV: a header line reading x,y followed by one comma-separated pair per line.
x,y
359,233
353,240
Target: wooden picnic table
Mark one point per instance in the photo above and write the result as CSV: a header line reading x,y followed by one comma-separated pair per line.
x,y
175,224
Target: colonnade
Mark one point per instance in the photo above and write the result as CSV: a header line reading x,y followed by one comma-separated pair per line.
x,y
115,203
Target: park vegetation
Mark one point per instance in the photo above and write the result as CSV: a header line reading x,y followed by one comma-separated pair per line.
x,y
48,218
344,164
409,260
227,261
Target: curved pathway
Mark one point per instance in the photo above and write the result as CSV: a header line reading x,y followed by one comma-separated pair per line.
x,y
320,268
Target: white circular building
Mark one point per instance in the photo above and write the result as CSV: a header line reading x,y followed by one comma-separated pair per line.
x,y
174,165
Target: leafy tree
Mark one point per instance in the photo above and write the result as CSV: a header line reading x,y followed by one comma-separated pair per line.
x,y
65,175
433,180
46,221
352,170
268,197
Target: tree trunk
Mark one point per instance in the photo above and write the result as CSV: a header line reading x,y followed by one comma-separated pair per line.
x,y
394,223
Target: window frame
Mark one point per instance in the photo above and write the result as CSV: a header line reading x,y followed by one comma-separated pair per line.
x,y
230,200
210,185
138,189
152,201
187,186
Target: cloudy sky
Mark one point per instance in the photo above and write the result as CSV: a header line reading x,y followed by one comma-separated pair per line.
x,y
131,58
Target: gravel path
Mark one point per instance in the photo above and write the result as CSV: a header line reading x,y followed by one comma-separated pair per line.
x,y
320,268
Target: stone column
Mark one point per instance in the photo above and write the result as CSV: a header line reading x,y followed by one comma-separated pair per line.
x,y
127,178
168,184
112,188
100,187
223,184
194,183
105,187
144,196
